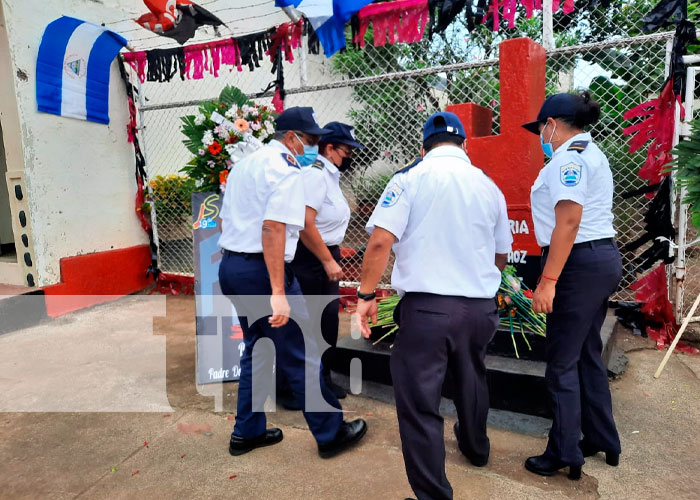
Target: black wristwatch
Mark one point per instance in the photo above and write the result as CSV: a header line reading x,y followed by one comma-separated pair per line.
x,y
366,296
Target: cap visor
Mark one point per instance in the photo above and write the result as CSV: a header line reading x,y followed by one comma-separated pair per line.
x,y
533,127
353,144
316,131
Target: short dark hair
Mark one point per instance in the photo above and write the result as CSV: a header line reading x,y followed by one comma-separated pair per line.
x,y
431,141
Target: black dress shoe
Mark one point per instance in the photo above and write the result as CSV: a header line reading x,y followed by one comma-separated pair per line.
x,y
546,466
475,461
335,388
348,434
588,450
239,445
288,401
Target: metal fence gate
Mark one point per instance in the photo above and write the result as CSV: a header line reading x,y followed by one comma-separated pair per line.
x,y
387,93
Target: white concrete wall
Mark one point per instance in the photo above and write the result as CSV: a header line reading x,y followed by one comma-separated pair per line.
x,y
79,174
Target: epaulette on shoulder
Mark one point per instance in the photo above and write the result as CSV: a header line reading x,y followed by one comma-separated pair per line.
x,y
410,166
578,146
317,164
291,161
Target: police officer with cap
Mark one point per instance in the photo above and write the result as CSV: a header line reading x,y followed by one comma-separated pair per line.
x,y
448,225
572,213
316,263
262,213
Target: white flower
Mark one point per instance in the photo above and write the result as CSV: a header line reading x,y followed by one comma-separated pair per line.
x,y
246,109
263,135
232,112
199,183
269,127
230,149
201,152
222,187
208,138
255,126
253,111
221,131
199,119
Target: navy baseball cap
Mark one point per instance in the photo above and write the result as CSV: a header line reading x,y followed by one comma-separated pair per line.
x,y
300,118
341,133
556,106
443,122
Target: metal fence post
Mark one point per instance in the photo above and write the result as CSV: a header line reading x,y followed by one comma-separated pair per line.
x,y
141,127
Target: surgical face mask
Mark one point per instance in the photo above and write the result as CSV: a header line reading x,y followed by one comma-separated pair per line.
x,y
547,147
309,156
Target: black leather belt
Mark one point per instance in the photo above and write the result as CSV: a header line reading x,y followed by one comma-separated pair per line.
x,y
588,244
244,254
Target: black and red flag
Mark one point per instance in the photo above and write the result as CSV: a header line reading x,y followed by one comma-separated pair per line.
x,y
177,19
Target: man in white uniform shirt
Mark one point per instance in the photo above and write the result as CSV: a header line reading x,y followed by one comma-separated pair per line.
x,y
448,225
262,212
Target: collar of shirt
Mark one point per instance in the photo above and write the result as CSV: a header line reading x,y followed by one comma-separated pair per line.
x,y
448,151
585,136
278,145
328,165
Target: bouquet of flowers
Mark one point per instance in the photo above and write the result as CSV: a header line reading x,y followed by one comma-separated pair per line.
x,y
224,131
515,308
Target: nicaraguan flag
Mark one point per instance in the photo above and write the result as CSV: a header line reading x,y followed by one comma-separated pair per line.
x,y
328,18
73,68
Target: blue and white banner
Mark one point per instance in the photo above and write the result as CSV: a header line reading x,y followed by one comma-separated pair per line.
x,y
328,18
73,69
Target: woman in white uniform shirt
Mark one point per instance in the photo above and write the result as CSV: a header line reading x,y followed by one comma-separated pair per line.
x,y
572,213
317,261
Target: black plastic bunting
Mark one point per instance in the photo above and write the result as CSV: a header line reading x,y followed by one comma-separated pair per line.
x,y
657,223
164,64
666,13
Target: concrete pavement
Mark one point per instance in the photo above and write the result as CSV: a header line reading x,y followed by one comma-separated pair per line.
x,y
111,353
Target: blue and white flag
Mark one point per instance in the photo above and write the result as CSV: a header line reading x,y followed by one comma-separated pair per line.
x,y
73,69
328,18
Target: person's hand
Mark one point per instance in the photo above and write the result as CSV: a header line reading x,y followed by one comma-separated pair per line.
x,y
280,310
543,298
333,270
366,310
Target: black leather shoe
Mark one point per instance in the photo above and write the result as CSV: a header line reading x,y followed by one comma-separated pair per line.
x,y
589,450
288,401
335,388
545,466
348,434
475,461
239,445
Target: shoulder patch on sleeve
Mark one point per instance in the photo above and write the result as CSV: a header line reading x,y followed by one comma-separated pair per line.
x,y
393,193
410,165
578,146
318,164
290,160
570,174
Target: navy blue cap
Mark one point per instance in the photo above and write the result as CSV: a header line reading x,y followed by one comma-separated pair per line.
x,y
341,133
443,122
556,106
300,118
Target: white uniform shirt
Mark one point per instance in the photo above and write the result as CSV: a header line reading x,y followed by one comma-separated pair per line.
x,y
267,185
583,177
450,220
323,194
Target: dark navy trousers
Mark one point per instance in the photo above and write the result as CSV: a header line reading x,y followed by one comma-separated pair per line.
x,y
314,281
576,378
242,275
437,334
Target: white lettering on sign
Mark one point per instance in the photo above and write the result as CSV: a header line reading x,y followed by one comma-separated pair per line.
x,y
236,371
517,257
219,374
519,227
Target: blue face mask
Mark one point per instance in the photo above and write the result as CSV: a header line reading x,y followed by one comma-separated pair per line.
x,y
309,156
547,147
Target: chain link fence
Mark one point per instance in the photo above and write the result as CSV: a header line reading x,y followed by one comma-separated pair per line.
x,y
386,93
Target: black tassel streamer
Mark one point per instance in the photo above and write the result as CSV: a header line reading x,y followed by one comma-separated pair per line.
x,y
164,64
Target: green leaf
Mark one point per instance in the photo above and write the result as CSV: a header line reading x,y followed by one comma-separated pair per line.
x,y
232,95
